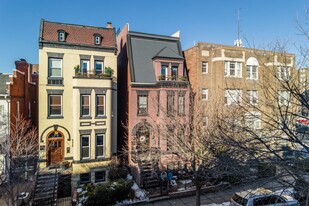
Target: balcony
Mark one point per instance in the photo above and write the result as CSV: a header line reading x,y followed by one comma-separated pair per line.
x,y
172,78
89,75
94,73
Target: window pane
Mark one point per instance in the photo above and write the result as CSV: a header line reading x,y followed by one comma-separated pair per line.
x,y
142,105
143,101
99,139
55,105
55,63
181,108
84,178
85,141
85,152
99,176
55,100
55,110
85,100
100,107
248,72
98,67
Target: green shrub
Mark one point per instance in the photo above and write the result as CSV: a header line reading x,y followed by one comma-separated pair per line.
x,y
109,71
108,193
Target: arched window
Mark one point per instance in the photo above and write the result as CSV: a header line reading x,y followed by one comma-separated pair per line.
x,y
252,68
142,136
55,134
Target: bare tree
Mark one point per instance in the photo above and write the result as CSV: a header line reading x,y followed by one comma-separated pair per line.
x,y
272,129
189,141
21,150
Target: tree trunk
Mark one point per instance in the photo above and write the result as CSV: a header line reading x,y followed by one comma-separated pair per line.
x,y
198,196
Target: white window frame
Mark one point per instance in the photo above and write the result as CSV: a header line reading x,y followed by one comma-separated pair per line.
x,y
283,97
249,72
284,72
181,104
97,105
232,96
82,105
97,62
204,67
253,95
205,94
97,40
82,147
253,120
99,180
103,145
49,105
56,68
82,61
237,69
142,106
61,36
166,71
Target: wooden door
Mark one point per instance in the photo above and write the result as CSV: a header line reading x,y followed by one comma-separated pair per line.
x,y
55,151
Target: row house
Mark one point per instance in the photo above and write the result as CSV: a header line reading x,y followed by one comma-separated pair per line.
x,y
18,100
223,76
78,99
154,89
23,90
4,117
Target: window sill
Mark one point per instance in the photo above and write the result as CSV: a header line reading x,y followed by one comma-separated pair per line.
x,y
55,117
252,79
142,114
100,117
99,181
233,77
85,117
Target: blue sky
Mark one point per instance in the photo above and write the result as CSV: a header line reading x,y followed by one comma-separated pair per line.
x,y
215,21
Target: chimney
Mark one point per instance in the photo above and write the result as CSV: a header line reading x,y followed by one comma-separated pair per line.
x,y
109,25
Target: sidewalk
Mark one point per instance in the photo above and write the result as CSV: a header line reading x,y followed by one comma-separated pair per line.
x,y
216,197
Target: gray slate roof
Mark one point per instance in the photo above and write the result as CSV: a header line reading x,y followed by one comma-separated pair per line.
x,y
143,48
3,79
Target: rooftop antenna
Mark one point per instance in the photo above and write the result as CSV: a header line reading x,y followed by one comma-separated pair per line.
x,y
238,41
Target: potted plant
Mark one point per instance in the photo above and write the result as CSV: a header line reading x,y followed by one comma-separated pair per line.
x,y
108,71
77,70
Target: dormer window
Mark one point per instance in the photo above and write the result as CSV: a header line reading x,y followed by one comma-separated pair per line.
x,y
97,39
61,35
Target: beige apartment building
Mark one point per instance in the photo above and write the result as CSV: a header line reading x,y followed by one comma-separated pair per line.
x,y
77,99
224,76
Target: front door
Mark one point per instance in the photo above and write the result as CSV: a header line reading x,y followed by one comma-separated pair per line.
x,y
55,148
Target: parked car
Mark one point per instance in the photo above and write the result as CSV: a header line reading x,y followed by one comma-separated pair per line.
x,y
261,196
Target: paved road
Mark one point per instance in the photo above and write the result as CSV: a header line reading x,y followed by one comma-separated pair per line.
x,y
216,197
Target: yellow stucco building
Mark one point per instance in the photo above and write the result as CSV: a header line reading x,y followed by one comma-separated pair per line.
x,y
77,99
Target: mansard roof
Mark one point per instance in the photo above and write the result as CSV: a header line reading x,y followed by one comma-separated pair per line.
x,y
144,48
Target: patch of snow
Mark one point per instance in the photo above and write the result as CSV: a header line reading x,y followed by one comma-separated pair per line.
x,y
287,191
135,187
140,194
129,177
185,181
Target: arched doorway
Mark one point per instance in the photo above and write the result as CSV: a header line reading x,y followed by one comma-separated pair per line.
x,y
55,148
